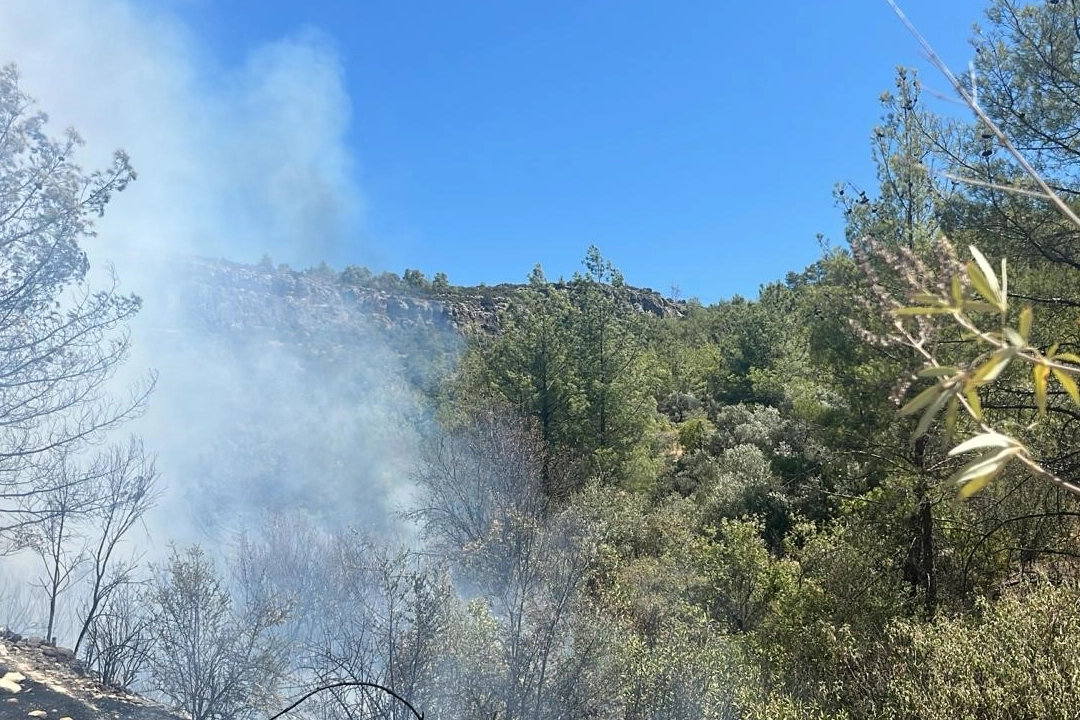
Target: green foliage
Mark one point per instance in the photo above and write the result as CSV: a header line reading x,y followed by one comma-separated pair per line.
x,y
724,514
415,280
978,292
1013,657
740,579
322,272
696,433
386,281
572,358
356,275
744,481
1017,658
686,670
616,403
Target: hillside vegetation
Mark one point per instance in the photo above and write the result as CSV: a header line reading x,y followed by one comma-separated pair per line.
x,y
621,506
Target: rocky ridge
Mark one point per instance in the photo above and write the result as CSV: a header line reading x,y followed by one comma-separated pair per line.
x,y
462,309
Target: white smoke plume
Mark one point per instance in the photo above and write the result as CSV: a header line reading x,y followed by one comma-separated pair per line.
x,y
235,162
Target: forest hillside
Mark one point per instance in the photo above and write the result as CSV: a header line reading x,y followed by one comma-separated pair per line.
x,y
853,496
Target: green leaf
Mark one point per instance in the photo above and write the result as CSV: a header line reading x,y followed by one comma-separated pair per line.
x,y
956,290
983,286
1039,375
993,289
951,413
921,400
972,396
980,471
1026,316
986,462
936,371
1068,357
932,412
1068,383
988,439
922,311
989,371
1015,338
980,306
976,484
1004,285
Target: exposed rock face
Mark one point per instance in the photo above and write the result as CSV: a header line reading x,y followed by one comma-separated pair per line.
x,y
44,681
312,295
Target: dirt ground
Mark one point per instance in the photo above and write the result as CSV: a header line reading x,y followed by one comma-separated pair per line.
x,y
41,681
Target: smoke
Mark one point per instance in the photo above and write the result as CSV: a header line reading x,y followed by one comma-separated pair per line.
x,y
234,161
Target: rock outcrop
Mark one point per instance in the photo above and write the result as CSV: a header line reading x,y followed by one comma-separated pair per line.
x,y
39,680
253,291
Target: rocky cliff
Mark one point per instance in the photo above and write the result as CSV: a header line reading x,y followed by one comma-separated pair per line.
x,y
256,295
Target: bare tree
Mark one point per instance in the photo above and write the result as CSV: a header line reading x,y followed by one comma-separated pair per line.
x,y
117,642
386,621
365,617
486,501
211,657
478,475
61,341
126,491
57,538
87,511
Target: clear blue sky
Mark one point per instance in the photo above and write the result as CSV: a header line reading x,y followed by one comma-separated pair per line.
x,y
696,143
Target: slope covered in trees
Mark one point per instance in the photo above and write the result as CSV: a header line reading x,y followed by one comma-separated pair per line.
x,y
712,512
